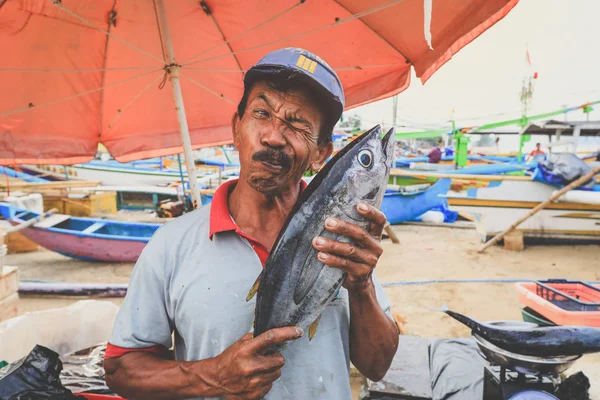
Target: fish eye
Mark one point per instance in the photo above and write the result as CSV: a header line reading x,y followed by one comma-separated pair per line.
x,y
365,158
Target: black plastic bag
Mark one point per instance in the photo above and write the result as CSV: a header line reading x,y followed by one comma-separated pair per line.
x,y
564,168
34,377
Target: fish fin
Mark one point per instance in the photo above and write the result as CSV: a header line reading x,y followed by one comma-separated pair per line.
x,y
254,288
312,329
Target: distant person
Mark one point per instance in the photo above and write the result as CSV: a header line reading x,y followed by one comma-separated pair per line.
x,y
535,152
435,155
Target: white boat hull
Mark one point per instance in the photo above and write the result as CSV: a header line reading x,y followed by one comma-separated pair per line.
x,y
499,206
109,175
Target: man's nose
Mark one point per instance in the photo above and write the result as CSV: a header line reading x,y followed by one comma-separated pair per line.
x,y
274,136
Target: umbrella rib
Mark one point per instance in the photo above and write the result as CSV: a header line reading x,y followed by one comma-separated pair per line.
x,y
126,43
273,18
207,89
49,103
226,41
375,32
103,81
341,21
137,96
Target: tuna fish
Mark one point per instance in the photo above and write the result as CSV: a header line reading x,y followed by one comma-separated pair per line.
x,y
540,342
294,287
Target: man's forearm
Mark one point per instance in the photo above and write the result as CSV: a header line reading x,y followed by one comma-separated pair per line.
x,y
373,335
141,375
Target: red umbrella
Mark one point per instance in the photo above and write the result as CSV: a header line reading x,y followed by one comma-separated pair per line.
x,y
78,72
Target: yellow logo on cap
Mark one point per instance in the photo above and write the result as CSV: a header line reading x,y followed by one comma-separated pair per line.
x,y
306,64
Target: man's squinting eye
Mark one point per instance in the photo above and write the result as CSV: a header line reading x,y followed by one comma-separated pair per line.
x,y
261,113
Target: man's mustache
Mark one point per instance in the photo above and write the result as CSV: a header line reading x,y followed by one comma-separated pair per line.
x,y
274,157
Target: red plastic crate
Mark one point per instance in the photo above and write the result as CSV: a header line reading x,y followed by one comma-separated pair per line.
x,y
528,295
569,295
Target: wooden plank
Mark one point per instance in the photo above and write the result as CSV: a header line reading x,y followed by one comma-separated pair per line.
x,y
52,221
9,307
423,175
19,243
466,216
514,241
474,202
94,227
9,281
47,185
390,232
31,222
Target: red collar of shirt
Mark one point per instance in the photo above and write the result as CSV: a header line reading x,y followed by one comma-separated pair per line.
x,y
221,221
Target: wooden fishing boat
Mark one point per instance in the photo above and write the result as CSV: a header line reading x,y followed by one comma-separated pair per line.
x,y
115,173
500,203
84,238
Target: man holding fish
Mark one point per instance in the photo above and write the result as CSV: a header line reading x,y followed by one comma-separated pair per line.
x,y
191,281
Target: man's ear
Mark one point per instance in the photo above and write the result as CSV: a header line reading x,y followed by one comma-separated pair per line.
x,y
322,156
235,120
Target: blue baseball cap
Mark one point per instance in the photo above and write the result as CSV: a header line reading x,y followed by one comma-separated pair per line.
x,y
296,63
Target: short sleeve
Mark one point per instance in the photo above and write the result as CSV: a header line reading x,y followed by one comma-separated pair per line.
x,y
382,299
143,319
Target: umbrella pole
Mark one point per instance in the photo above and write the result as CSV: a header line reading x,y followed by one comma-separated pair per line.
x,y
173,71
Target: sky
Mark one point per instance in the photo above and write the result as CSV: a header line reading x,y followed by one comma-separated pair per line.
x,y
482,82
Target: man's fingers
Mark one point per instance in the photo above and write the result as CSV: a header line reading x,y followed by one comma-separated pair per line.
x,y
265,378
375,217
357,233
246,337
349,266
258,393
346,250
275,336
270,363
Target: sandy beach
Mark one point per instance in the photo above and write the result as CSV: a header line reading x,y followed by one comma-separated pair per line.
x,y
424,253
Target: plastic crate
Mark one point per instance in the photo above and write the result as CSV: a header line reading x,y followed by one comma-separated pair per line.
x,y
530,315
528,297
569,295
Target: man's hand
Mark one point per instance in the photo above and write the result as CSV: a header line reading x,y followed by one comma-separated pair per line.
x,y
359,260
243,371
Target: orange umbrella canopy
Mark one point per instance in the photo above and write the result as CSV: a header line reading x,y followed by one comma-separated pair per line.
x,y
78,72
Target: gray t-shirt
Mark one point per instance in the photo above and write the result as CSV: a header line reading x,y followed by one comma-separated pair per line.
x,y
193,289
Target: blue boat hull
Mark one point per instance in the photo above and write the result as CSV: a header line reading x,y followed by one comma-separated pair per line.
x,y
86,238
399,207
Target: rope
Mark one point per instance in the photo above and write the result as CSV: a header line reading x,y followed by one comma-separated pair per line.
x,y
219,95
137,96
32,106
126,43
164,79
337,23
